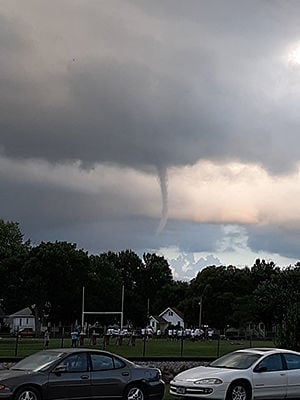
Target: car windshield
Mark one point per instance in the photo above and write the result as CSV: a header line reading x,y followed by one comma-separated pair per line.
x,y
38,361
236,360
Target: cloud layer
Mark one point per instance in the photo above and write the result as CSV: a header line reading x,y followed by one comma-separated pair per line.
x,y
106,106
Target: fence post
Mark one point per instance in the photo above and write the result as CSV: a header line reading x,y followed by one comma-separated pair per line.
x,y
218,348
181,346
144,345
16,346
62,337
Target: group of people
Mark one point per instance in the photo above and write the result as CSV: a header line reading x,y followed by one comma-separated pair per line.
x,y
189,333
77,337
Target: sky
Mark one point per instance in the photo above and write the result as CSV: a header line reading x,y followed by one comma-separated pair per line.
x,y
157,126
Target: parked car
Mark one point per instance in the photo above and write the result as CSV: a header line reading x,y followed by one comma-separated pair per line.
x,y
78,373
260,373
26,332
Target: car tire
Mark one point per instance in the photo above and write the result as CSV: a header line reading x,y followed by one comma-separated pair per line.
x,y
27,393
135,392
238,391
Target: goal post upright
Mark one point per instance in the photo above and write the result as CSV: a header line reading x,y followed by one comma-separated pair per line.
x,y
121,313
82,316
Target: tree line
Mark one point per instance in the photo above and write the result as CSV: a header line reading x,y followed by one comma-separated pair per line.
x,y
49,278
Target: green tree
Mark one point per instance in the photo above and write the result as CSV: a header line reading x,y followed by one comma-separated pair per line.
x,y
155,276
172,294
13,253
11,240
130,266
277,302
104,288
262,271
221,291
54,275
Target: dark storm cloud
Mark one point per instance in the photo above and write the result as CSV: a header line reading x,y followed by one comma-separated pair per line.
x,y
275,240
179,103
145,84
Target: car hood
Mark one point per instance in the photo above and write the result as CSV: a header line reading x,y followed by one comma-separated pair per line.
x,y
202,372
10,373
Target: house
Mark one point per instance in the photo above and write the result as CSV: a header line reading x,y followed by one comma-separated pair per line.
x,y
21,319
169,317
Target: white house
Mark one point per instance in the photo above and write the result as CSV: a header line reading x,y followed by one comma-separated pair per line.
x,y
170,316
21,319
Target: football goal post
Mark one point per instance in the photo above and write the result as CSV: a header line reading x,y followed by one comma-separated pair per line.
x,y
102,312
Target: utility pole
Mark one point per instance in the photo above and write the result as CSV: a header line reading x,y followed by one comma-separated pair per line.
x,y
122,309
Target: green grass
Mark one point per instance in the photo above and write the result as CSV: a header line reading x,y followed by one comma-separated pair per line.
x,y
150,348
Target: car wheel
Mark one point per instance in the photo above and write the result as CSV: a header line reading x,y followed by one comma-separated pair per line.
x,y
135,392
28,393
238,391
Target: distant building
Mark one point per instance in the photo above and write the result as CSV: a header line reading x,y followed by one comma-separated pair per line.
x,y
170,316
21,319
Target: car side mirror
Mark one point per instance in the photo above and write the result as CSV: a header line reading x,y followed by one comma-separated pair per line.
x,y
261,369
59,369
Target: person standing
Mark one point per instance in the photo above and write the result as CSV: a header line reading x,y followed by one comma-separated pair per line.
x,y
74,337
46,339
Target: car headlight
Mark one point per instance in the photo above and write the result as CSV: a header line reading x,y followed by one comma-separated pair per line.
x,y
209,381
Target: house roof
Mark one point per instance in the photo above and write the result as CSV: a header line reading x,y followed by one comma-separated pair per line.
x,y
159,319
25,312
179,313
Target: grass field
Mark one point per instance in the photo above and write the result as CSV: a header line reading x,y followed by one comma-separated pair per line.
x,y
10,347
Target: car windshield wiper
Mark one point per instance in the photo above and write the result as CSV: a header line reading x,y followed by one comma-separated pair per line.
x,y
20,369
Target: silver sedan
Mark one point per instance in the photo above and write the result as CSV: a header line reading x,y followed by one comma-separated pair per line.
x,y
256,373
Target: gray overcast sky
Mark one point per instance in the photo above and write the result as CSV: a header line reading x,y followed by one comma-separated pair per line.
x,y
167,126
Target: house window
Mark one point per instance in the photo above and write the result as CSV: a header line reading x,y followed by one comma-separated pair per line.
x,y
20,322
26,321
170,313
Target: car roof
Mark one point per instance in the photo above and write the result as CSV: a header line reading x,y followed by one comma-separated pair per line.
x,y
70,350
266,350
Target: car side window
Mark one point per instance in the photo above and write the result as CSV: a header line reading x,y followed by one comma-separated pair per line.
x,y
271,363
75,363
118,363
101,362
292,361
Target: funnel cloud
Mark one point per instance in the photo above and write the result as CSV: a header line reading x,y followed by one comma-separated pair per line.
x,y
163,181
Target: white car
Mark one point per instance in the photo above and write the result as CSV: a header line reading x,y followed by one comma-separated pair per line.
x,y
258,373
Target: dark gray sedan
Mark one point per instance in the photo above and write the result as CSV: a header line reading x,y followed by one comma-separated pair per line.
x,y
79,374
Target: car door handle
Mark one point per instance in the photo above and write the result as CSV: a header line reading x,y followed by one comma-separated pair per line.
x,y
125,373
84,377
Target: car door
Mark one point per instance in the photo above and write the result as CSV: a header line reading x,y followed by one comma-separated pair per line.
x,y
293,371
70,379
109,376
270,378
